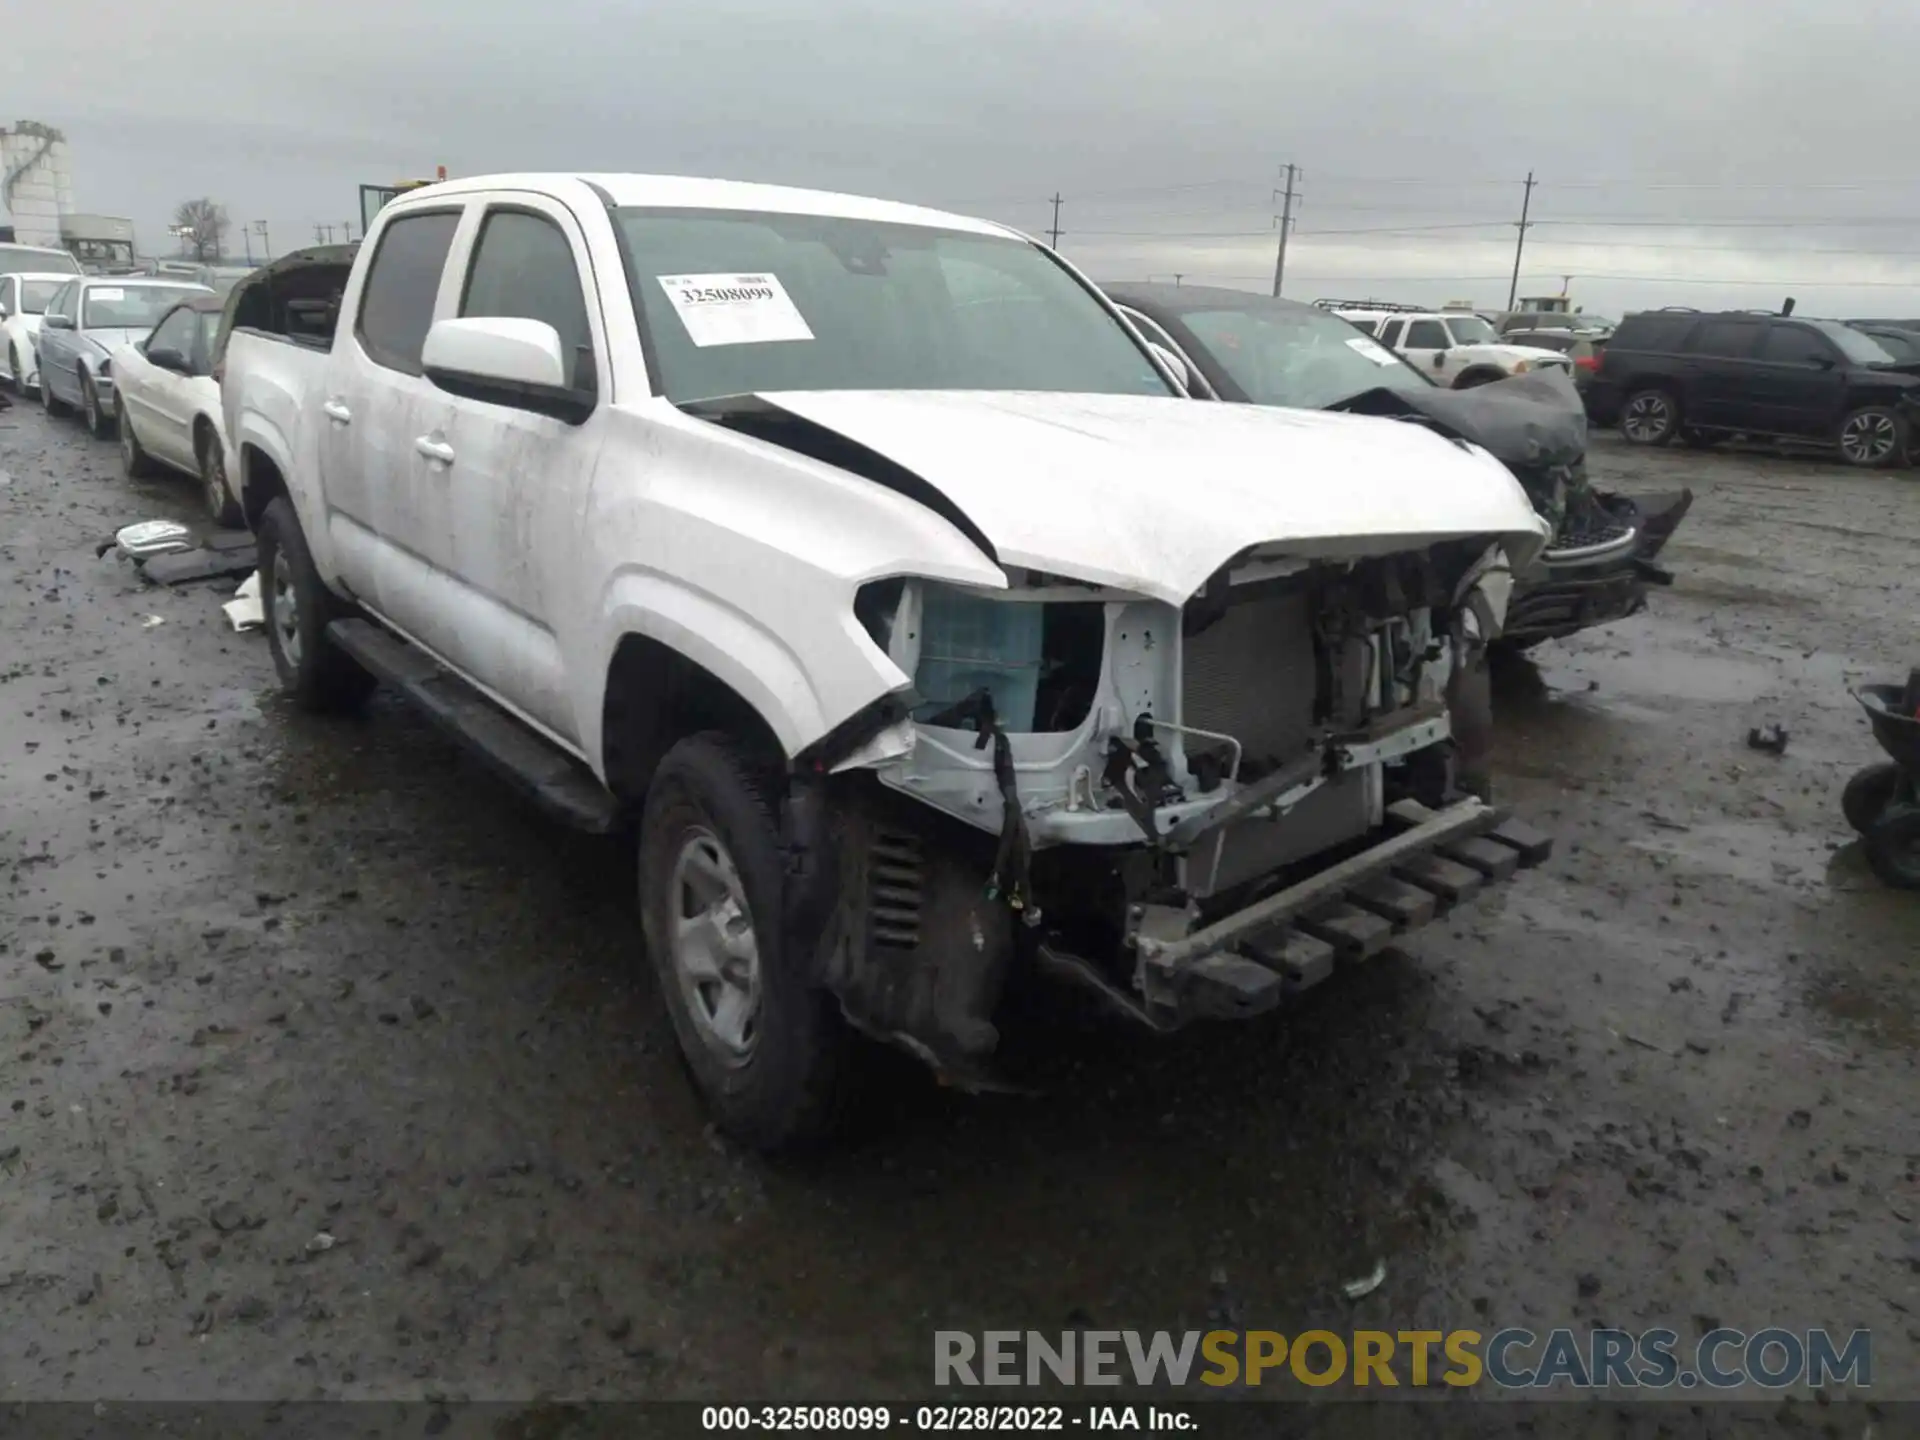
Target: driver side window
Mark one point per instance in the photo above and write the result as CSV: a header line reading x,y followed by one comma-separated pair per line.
x,y
174,333
1426,335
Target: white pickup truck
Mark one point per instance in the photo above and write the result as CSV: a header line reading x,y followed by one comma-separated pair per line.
x,y
869,561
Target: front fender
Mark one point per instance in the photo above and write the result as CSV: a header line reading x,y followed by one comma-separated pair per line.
x,y
739,651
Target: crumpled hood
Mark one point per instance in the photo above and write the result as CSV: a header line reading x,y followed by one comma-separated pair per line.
x,y
1154,495
1527,421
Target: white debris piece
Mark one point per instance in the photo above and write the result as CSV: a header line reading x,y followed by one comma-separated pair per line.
x,y
1367,1284
245,610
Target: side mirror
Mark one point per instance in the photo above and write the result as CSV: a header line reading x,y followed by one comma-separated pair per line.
x,y
169,360
58,322
1439,359
1821,362
505,361
1175,366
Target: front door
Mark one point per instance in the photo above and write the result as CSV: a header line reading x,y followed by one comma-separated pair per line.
x,y
517,479
1798,384
386,517
161,409
1428,349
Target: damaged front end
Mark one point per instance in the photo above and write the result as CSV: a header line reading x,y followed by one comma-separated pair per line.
x,y
1190,810
1599,563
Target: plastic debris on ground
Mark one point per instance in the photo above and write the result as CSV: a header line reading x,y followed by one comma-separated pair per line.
x,y
152,537
244,609
1367,1284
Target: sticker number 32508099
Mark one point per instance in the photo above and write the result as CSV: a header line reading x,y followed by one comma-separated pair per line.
x,y
734,309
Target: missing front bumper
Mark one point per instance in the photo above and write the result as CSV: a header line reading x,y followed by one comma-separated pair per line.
x,y
1249,961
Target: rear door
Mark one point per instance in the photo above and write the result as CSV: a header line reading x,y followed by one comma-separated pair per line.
x,y
1799,380
1720,372
57,347
387,519
516,479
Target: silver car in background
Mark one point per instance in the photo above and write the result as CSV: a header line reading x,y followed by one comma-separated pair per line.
x,y
85,323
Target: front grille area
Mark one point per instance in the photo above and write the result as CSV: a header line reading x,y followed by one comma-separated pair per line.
x,y
1252,674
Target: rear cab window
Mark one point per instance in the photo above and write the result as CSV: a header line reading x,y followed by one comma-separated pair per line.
x,y
402,286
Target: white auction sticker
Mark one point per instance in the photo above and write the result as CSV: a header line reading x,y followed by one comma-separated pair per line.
x,y
1372,349
735,309
106,292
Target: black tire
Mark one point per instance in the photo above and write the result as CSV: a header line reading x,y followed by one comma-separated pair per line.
x,y
215,493
316,673
1873,437
789,1081
1650,417
98,422
1702,439
49,402
16,371
1893,847
1869,793
133,455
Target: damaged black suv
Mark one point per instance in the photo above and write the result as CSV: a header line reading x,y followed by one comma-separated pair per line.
x,y
1250,349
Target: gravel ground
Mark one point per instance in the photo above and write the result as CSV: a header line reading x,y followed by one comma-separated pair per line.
x,y
328,1070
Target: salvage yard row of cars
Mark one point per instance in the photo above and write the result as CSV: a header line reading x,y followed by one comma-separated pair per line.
x,y
935,615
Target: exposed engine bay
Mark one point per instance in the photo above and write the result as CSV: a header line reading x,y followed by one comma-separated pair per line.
x,y
1085,764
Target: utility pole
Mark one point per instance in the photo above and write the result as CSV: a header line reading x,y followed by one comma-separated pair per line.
x,y
1053,235
246,239
266,250
1520,243
1286,225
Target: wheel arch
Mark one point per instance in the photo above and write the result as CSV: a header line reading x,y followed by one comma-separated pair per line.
x,y
654,697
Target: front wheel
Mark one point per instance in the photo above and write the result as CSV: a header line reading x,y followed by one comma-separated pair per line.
x,y
16,370
298,607
99,422
769,1052
50,402
1650,417
222,508
1872,437
133,455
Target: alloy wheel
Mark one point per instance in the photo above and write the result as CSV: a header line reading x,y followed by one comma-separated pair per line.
x,y
1868,438
1648,417
285,602
716,957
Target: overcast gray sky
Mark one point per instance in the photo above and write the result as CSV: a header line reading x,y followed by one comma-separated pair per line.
x,y
1714,141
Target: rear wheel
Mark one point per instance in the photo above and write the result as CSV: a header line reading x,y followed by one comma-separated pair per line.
x,y
133,454
769,1052
99,421
1650,417
223,509
298,607
1872,437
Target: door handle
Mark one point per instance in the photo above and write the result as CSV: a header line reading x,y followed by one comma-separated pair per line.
x,y
434,449
337,412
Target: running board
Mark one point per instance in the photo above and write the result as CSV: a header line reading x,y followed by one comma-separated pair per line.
x,y
553,779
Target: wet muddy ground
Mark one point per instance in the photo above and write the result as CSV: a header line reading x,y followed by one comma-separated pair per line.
x,y
327,1069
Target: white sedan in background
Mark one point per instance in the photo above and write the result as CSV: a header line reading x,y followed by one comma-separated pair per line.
x,y
167,404
23,300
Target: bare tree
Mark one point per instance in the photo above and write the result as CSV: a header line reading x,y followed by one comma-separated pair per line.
x,y
202,226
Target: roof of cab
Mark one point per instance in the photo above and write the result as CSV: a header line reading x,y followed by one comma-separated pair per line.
x,y
683,192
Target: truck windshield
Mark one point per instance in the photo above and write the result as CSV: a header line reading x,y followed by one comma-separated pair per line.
x,y
736,302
